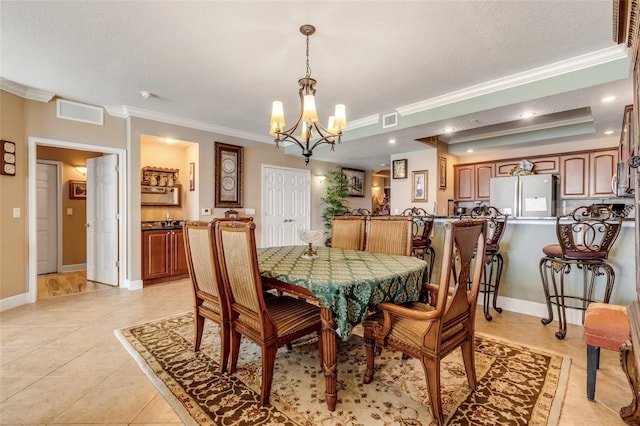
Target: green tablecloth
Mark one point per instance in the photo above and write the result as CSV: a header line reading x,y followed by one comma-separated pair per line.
x,y
346,282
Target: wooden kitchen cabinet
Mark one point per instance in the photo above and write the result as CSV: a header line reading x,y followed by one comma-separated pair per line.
x,y
163,256
602,167
588,174
548,164
574,172
472,181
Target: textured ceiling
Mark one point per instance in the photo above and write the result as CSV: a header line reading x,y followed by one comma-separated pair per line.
x,y
469,65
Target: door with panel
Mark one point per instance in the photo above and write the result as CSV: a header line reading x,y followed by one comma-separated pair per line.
x,y
286,205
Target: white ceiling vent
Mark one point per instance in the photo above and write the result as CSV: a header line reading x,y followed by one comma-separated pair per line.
x,y
390,120
80,112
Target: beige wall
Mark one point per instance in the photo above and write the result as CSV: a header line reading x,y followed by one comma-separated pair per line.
x,y
19,120
13,194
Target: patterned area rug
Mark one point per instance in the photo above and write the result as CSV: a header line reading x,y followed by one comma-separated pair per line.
x,y
517,385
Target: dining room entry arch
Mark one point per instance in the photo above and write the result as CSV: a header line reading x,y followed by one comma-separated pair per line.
x,y
286,205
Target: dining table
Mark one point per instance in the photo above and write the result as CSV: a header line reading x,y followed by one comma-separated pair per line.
x,y
345,284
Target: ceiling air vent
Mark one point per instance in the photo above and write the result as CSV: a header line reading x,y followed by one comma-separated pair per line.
x,y
80,112
390,120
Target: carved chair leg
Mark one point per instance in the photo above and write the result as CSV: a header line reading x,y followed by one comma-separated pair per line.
x,y
268,364
369,348
631,413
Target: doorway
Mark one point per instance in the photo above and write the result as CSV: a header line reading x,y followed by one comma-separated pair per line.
x,y
286,205
121,251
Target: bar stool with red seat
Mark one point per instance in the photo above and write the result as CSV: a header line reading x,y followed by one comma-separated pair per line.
x,y
585,237
605,326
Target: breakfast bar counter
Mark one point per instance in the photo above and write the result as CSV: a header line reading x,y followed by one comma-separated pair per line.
x,y
521,246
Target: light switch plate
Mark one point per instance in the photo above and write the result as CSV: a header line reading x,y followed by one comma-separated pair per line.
x,y
250,211
69,211
16,212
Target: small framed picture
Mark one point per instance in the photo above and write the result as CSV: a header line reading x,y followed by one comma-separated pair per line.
x,y
442,172
355,181
77,190
192,176
399,169
419,185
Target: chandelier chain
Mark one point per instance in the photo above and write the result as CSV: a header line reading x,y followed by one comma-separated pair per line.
x,y
308,66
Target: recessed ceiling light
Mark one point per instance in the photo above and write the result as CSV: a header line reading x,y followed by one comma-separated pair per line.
x,y
383,164
448,130
527,114
609,132
469,151
145,94
392,141
608,99
168,140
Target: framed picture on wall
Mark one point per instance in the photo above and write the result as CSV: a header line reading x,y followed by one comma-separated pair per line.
x,y
228,175
419,185
399,169
355,181
442,172
77,190
192,176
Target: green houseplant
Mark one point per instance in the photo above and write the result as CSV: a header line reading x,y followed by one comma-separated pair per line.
x,y
334,199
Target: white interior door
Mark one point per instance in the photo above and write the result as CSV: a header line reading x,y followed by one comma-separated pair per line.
x,y
286,205
102,219
46,217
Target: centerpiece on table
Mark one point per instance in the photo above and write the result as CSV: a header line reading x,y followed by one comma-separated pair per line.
x,y
310,236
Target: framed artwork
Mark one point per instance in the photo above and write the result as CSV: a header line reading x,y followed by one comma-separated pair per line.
x,y
355,181
399,169
419,185
228,175
8,159
77,190
192,176
442,172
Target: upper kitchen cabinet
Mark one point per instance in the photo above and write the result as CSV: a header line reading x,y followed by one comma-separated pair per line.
x,y
472,181
602,167
588,174
548,164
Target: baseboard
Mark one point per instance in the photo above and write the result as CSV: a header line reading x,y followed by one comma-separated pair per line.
x,y
13,302
132,284
73,268
536,309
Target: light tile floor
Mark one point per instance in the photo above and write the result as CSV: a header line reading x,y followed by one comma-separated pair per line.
x,y
60,362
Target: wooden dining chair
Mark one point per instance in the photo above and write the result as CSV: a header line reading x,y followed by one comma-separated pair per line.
x,y
427,332
209,299
390,235
421,234
348,232
268,322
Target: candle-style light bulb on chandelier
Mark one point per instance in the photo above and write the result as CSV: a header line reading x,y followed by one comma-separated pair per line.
x,y
311,133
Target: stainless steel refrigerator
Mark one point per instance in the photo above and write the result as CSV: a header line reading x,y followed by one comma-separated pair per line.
x,y
524,196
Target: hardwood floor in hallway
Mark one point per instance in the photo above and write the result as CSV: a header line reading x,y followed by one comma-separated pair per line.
x,y
66,283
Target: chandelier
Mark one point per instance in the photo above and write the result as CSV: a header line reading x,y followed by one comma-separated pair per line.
x,y
311,133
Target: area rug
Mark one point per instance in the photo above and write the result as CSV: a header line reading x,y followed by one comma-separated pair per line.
x,y
517,385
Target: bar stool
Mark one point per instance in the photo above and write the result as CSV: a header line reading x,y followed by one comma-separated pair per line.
x,y
493,261
421,235
585,237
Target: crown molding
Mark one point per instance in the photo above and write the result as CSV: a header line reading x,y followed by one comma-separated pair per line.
x,y
126,111
536,74
363,122
25,91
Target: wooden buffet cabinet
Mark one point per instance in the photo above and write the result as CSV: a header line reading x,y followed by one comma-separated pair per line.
x,y
585,174
163,256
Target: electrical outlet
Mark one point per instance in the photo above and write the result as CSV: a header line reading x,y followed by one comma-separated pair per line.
x,y
206,211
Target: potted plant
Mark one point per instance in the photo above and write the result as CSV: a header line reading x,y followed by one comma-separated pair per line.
x,y
334,199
